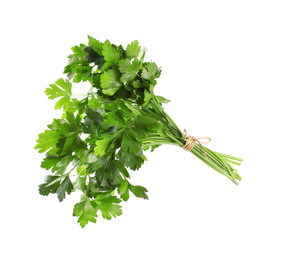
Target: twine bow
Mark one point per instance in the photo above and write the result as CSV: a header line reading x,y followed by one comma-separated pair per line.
x,y
191,140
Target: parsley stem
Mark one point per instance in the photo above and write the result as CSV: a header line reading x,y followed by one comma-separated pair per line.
x,y
80,95
233,162
165,118
218,161
230,157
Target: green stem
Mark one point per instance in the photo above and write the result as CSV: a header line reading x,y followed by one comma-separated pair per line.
x,y
233,162
218,161
80,95
230,157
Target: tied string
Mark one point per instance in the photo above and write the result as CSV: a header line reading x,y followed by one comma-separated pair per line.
x,y
190,141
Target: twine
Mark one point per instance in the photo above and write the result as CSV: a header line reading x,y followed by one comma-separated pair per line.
x,y
190,141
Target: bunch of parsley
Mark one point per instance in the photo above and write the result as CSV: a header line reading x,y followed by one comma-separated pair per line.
x,y
104,133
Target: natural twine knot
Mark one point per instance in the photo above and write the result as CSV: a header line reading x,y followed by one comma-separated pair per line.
x,y
191,140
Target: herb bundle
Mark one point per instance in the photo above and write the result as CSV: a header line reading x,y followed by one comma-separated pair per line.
x,y
104,132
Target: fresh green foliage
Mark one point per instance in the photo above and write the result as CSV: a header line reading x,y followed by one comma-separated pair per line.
x,y
103,135
61,88
110,82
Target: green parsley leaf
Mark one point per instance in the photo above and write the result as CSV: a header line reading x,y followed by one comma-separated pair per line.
x,y
129,70
110,82
107,141
61,88
80,183
88,157
97,45
106,175
50,162
133,50
45,188
122,169
146,124
86,210
66,144
79,50
110,53
139,191
147,97
106,66
65,186
133,109
123,190
62,165
149,71
47,140
92,55
108,206
131,160
96,118
138,84
162,99
130,142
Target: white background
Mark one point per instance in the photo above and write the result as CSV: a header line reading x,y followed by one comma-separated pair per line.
x,y
221,64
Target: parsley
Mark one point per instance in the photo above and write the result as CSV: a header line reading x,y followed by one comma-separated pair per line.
x,y
105,133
